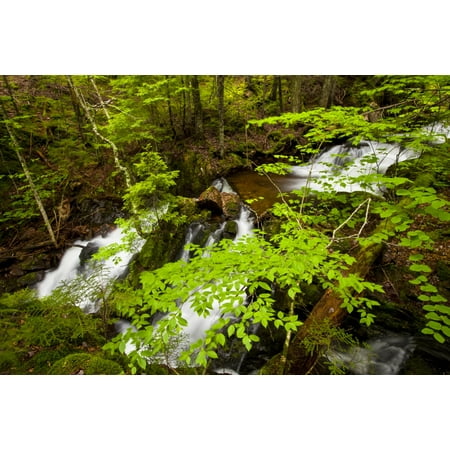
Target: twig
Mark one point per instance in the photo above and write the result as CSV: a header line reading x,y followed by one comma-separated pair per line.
x,y
333,237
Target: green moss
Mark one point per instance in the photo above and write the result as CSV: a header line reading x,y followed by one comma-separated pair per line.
x,y
84,364
9,362
42,361
162,246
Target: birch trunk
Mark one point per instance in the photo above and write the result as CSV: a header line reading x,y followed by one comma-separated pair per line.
x,y
88,114
18,150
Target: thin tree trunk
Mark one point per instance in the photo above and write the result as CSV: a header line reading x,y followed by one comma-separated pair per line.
x,y
198,113
183,106
26,171
220,95
78,115
169,107
280,94
273,91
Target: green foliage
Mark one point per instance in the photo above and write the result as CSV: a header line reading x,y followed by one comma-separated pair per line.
x,y
22,205
234,282
323,335
56,325
154,180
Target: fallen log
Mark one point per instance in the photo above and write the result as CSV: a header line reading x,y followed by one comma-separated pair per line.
x,y
329,308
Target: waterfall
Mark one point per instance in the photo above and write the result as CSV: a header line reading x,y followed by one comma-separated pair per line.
x,y
87,274
339,167
197,326
193,231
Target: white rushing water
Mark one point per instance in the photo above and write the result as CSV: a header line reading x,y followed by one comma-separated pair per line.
x,y
89,276
197,325
340,167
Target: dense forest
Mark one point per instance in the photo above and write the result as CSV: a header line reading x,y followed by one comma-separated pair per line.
x,y
254,224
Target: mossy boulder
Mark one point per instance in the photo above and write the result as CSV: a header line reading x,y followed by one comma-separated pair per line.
x,y
85,364
219,203
162,246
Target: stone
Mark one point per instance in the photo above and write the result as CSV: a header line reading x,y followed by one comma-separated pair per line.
x,y
211,199
231,205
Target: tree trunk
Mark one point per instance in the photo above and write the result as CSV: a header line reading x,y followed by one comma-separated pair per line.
x,y
280,94
296,93
169,107
27,173
183,105
276,92
198,113
329,84
220,95
11,95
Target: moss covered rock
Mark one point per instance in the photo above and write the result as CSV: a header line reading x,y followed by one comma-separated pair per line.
x,y
84,364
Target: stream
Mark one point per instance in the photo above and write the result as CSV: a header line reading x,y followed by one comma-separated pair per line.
x,y
383,354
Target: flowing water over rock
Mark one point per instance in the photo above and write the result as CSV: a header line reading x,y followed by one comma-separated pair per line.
x,y
77,267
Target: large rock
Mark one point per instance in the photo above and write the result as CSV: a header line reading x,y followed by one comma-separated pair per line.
x,y
211,199
227,204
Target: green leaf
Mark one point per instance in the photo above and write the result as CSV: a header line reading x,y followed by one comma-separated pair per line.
x,y
220,339
427,331
428,288
434,325
439,337
420,268
446,330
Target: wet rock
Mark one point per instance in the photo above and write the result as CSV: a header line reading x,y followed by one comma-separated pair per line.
x,y
230,230
87,252
231,205
220,203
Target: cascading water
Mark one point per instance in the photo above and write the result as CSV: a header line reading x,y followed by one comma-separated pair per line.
x,y
88,275
197,325
334,169
340,167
